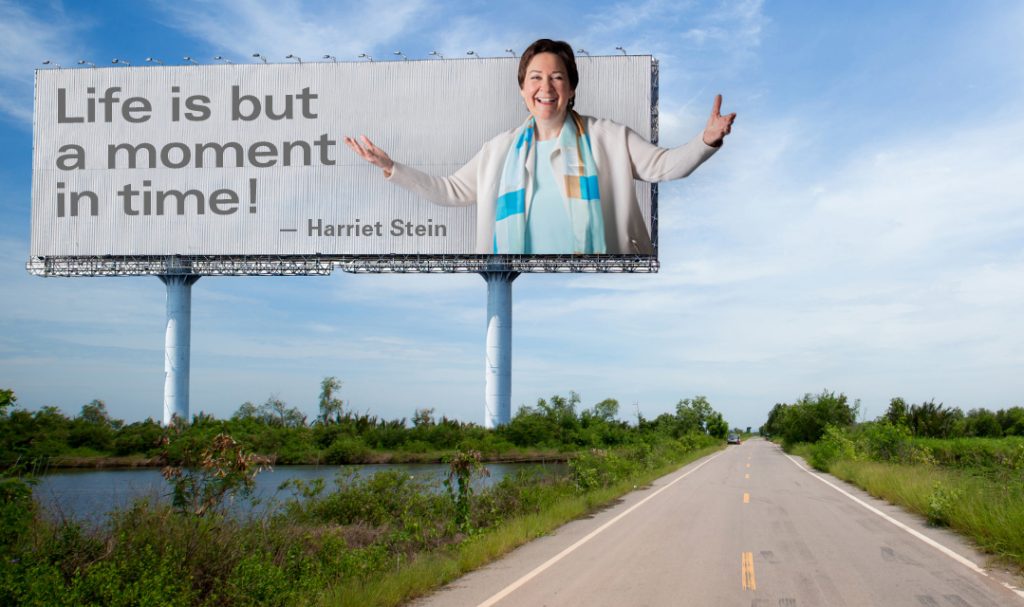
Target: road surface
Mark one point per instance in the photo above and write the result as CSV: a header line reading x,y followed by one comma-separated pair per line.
x,y
746,526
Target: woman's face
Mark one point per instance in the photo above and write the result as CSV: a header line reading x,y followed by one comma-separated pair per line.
x,y
546,88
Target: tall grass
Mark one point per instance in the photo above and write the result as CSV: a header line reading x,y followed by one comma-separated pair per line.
x,y
988,511
431,571
974,486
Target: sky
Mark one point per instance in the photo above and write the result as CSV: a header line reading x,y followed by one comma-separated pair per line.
x,y
860,232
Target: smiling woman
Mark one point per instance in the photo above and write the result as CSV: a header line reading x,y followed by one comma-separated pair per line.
x,y
560,183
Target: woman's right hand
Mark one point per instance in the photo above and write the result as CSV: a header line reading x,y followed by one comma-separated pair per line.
x,y
371,153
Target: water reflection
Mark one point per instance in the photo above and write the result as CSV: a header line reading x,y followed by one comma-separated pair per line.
x,y
88,495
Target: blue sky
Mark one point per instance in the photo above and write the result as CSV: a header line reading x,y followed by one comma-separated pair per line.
x,y
861,231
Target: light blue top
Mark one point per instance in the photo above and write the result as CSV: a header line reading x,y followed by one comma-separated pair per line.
x,y
548,228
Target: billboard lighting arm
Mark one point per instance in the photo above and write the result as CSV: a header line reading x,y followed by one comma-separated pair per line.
x,y
177,345
498,358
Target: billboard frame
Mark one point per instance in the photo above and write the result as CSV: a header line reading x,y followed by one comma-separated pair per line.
x,y
320,265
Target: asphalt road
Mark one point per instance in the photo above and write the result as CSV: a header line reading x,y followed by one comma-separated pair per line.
x,y
747,526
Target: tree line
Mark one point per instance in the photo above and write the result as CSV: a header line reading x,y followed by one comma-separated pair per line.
x,y
339,435
806,419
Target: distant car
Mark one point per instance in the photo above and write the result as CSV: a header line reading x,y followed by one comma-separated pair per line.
x,y
734,439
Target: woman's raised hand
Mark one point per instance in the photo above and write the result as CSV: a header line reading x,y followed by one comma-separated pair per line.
x,y
718,125
371,153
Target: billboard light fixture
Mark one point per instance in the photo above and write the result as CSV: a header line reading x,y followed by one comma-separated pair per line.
x,y
259,56
222,58
48,62
365,56
295,57
84,62
153,60
402,55
331,57
581,51
511,51
117,61
472,54
188,59
437,54
619,48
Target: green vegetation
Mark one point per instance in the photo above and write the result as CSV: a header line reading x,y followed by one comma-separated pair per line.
x,y
552,429
378,540
961,471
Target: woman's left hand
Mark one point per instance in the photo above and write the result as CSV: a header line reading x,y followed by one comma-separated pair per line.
x,y
718,125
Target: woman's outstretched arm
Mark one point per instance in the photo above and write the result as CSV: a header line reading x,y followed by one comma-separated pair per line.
x,y
371,153
458,189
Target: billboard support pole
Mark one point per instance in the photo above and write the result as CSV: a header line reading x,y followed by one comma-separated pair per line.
x,y
177,345
498,370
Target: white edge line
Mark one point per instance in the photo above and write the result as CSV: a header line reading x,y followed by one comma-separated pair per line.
x,y
551,561
966,562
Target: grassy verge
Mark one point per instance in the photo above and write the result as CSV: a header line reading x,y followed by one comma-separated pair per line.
x,y
973,486
433,570
986,509
377,540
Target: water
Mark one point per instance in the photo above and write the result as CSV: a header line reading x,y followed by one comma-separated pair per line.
x,y
88,495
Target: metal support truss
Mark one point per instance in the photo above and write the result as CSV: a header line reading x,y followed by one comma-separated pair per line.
x,y
321,265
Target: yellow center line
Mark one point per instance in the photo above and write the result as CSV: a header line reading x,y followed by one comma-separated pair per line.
x,y
746,498
747,572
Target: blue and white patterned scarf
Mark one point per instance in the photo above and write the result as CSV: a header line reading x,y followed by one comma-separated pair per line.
x,y
577,176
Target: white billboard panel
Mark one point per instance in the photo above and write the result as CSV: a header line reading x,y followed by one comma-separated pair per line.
x,y
248,160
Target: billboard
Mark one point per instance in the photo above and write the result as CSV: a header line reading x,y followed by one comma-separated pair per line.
x,y
243,166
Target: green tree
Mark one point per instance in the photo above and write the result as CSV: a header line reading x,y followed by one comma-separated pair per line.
x,y
423,418
806,419
1011,421
331,408
897,412
693,414
246,410
933,421
606,410
7,399
93,427
717,426
982,422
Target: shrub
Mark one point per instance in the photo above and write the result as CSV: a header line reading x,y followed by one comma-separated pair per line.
x,y
462,467
885,441
17,509
835,445
941,502
347,450
222,469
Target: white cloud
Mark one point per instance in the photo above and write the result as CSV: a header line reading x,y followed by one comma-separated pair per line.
x,y
308,29
29,39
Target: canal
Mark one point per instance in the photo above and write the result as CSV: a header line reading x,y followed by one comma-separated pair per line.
x,y
88,495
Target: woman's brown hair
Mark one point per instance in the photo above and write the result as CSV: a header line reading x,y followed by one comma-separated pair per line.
x,y
558,48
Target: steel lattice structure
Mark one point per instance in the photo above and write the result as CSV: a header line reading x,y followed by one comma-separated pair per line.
x,y
318,265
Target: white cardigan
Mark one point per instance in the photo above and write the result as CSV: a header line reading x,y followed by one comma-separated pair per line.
x,y
621,156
